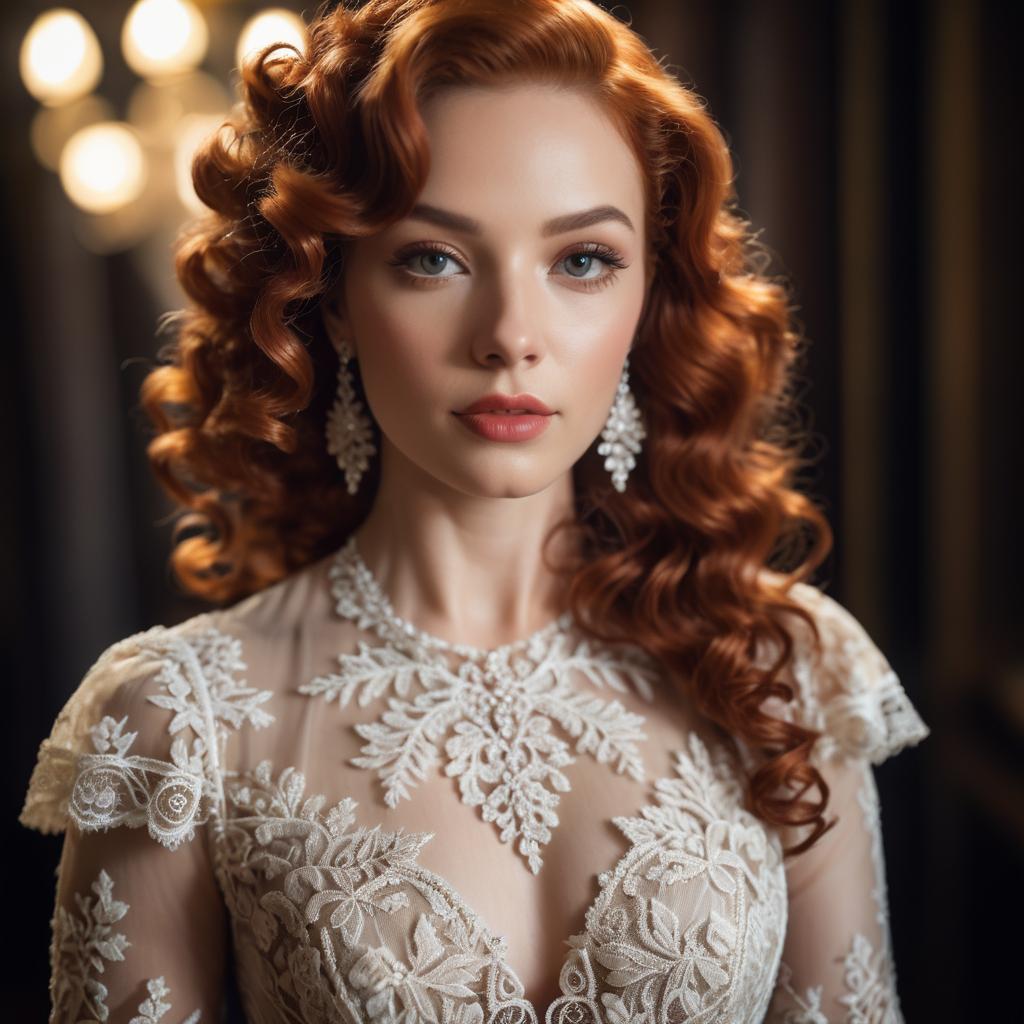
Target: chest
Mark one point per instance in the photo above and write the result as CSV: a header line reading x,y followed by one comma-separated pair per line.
x,y
638,895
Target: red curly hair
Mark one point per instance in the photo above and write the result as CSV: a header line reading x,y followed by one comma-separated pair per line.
x,y
326,146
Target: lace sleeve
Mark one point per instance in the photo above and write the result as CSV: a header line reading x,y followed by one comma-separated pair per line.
x,y
837,963
138,932
837,960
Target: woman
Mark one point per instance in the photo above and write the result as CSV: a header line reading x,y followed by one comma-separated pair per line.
x,y
477,415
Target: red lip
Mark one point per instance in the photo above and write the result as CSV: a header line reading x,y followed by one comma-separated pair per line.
x,y
496,402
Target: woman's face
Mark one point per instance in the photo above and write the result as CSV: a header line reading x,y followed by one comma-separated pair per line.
x,y
481,290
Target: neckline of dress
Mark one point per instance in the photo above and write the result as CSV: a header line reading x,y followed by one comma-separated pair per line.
x,y
359,596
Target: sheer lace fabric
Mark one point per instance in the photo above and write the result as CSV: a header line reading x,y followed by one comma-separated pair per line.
x,y
378,826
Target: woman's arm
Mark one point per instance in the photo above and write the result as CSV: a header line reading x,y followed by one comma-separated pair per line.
x,y
139,925
138,931
837,962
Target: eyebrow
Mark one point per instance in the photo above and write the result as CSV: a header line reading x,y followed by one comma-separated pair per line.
x,y
555,226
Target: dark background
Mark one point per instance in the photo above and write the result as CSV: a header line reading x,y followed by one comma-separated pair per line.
x,y
875,147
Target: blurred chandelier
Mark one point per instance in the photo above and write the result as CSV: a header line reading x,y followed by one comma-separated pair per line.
x,y
130,176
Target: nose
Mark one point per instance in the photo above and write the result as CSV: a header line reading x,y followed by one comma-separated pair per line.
x,y
511,334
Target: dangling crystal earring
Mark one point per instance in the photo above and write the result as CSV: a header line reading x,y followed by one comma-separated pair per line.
x,y
622,434
349,436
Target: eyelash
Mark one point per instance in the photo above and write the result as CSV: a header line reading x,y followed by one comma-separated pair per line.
x,y
608,256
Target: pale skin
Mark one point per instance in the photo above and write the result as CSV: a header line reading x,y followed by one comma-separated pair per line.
x,y
456,532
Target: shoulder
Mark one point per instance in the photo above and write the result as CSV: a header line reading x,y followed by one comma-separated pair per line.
x,y
844,686
106,729
282,608
208,658
133,743
159,705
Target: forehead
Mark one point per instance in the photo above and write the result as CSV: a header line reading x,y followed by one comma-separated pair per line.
x,y
528,150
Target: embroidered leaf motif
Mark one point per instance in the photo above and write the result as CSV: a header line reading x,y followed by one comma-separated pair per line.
x,y
108,733
606,730
218,658
393,986
867,974
628,964
607,666
151,1010
403,744
374,670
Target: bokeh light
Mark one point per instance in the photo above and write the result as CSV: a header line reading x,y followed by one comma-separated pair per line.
x,y
274,25
51,127
103,167
60,58
164,37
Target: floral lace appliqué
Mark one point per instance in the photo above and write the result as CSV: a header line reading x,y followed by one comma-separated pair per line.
x,y
695,848
113,788
310,893
153,1009
500,705
335,922
83,946
305,880
869,993
853,697
197,678
503,751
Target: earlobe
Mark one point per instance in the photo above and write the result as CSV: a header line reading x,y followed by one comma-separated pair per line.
x,y
336,324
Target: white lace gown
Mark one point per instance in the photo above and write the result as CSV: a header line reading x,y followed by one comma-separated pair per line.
x,y
376,825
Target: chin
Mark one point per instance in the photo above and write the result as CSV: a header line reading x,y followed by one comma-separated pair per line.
x,y
504,482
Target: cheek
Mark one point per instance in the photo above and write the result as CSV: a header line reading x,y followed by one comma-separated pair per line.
x,y
396,350
596,368
601,377
397,367
404,375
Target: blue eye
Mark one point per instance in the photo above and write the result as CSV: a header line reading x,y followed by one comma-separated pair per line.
x,y
586,256
425,256
433,256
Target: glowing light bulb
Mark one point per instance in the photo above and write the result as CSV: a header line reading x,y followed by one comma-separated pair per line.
x,y
163,37
102,167
52,126
60,58
274,25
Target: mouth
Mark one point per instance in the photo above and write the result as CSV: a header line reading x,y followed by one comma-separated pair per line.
x,y
506,405
506,425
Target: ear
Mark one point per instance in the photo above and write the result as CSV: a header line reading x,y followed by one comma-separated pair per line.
x,y
336,322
